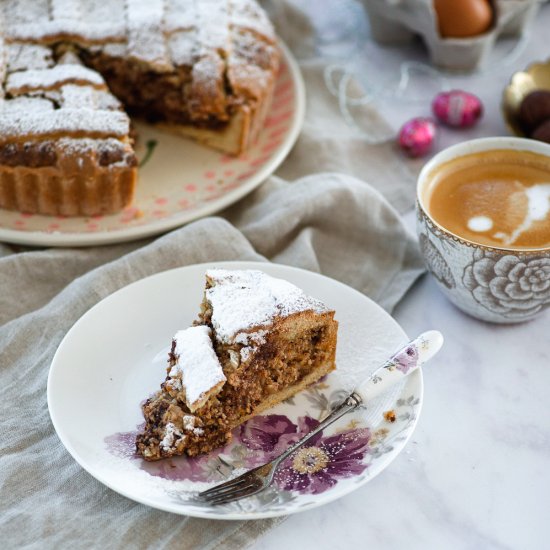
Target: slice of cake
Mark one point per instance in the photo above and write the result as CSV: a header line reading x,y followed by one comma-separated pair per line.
x,y
257,342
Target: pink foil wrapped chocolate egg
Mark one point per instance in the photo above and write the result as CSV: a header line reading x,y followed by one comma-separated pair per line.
x,y
457,108
416,136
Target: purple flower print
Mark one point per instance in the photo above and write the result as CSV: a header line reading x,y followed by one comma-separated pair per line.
x,y
268,436
405,360
262,433
316,468
123,444
313,468
196,468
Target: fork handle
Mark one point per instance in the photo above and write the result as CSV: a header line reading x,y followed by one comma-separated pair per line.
x,y
350,403
404,362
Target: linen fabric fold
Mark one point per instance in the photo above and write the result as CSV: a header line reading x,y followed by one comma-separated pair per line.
x,y
328,223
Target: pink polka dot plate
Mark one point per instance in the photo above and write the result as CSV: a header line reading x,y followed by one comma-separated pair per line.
x,y
179,180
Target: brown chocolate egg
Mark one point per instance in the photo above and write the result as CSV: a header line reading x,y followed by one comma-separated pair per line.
x,y
463,18
534,110
542,132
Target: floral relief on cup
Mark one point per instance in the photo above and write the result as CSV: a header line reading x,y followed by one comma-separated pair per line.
x,y
513,286
436,262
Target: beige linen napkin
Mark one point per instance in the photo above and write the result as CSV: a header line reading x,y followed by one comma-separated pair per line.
x,y
329,223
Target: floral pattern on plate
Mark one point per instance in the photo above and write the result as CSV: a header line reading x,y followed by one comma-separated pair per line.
x,y
342,452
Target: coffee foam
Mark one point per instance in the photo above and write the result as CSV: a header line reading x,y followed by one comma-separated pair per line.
x,y
498,198
480,224
538,207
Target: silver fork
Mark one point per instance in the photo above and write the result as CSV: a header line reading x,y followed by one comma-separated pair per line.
x,y
401,364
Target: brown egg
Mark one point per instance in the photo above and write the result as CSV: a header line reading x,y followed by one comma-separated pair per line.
x,y
463,18
534,110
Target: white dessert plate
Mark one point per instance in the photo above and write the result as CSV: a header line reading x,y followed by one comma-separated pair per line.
x,y
114,357
179,180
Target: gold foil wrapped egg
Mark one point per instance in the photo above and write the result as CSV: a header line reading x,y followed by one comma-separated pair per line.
x,y
535,77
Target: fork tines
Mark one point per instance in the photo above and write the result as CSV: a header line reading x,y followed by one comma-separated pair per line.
x,y
245,485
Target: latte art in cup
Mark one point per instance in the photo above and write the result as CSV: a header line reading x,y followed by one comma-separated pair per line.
x,y
483,224
498,198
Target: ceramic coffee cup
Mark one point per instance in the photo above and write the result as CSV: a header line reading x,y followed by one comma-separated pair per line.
x,y
495,284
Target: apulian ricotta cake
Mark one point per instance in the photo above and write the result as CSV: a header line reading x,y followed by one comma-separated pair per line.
x,y
71,71
257,342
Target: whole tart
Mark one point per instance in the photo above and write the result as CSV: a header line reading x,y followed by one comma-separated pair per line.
x,y
258,341
73,70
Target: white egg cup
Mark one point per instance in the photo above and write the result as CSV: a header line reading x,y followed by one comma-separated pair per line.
x,y
397,21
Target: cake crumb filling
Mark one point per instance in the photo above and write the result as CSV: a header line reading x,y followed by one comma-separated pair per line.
x,y
171,436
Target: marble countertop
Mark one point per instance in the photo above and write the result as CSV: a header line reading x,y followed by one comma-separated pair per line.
x,y
475,474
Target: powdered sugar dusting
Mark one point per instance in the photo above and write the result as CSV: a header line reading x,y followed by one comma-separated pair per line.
x,y
50,78
250,341
86,121
145,32
22,57
246,353
257,338
171,437
85,31
73,96
182,47
65,9
244,301
86,146
25,104
213,31
182,15
197,364
78,96
249,15
189,424
144,25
